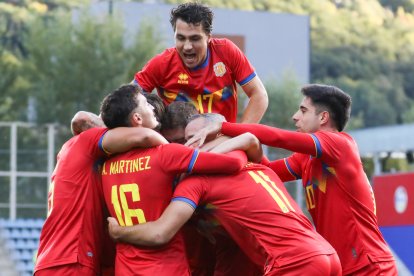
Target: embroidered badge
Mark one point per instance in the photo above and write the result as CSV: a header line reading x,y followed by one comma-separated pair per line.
x,y
182,78
219,69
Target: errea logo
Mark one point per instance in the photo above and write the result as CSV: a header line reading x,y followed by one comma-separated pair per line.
x,y
182,78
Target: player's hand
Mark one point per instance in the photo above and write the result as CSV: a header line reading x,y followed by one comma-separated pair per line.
x,y
211,131
113,228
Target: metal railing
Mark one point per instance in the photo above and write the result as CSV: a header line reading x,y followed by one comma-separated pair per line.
x,y
13,173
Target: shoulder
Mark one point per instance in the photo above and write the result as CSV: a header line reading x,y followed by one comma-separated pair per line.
x,y
92,133
167,55
334,137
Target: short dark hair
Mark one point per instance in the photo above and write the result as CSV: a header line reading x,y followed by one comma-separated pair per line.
x,y
208,117
158,104
177,115
332,99
117,107
193,13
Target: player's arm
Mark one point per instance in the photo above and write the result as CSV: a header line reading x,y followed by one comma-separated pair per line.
x,y
258,101
177,159
246,142
208,162
122,139
290,140
271,136
153,233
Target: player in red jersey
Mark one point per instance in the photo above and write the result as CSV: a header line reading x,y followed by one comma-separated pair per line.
x,y
72,236
176,117
138,185
218,254
203,70
255,209
338,194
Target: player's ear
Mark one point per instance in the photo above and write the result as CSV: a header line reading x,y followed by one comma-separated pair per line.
x,y
136,119
324,117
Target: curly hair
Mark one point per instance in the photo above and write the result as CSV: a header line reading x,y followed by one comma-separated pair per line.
x,y
193,13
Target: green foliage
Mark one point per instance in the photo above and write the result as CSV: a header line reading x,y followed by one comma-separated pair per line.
x,y
72,66
147,43
364,46
284,99
68,67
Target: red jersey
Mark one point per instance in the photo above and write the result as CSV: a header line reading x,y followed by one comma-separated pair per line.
x,y
211,86
74,229
255,209
338,194
138,186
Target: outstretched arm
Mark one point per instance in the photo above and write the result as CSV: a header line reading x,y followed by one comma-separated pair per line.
x,y
119,139
275,137
154,233
122,139
291,140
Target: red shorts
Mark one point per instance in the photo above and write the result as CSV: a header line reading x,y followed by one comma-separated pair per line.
x,y
388,268
67,270
316,265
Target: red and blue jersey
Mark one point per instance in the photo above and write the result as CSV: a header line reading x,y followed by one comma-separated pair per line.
x,y
339,196
74,229
255,209
211,86
138,186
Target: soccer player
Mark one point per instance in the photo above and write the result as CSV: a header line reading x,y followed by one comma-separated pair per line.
x,y
176,117
159,108
255,209
73,234
203,70
138,185
217,254
338,194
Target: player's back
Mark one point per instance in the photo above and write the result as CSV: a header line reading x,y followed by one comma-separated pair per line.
x,y
138,186
73,230
259,214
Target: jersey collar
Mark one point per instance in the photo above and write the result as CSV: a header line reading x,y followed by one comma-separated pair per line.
x,y
204,64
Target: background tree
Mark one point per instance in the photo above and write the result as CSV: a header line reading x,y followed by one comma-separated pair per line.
x,y
86,60
363,46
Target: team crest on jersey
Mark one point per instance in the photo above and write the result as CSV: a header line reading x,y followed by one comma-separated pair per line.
x,y
182,78
219,69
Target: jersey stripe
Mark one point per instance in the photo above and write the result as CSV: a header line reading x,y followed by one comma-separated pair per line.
x,y
100,143
317,145
192,161
249,78
186,200
290,169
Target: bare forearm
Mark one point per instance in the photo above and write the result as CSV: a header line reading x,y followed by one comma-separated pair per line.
x,y
258,101
153,233
255,109
246,142
124,139
142,234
